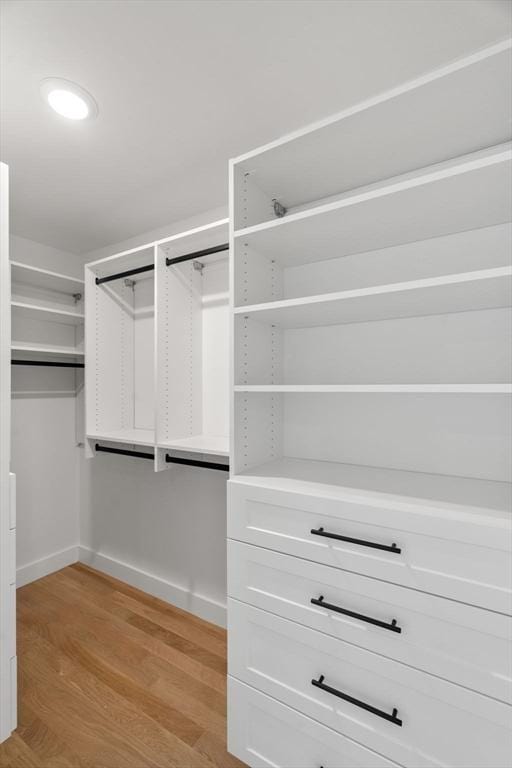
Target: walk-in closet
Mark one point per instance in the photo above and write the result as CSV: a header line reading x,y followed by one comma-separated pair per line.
x,y
256,384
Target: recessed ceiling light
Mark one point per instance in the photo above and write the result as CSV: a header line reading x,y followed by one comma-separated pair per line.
x,y
68,99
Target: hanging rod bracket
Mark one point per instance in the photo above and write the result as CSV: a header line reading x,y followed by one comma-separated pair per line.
x,y
279,209
197,254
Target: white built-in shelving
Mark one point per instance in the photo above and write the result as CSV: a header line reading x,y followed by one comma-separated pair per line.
x,y
157,347
371,404
45,278
47,326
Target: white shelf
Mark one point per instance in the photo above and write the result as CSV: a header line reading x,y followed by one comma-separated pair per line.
x,y
481,289
44,278
391,133
488,389
37,312
130,436
333,480
213,444
453,197
45,349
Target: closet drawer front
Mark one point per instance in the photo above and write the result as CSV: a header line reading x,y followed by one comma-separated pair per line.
x,y
458,642
447,552
266,734
441,723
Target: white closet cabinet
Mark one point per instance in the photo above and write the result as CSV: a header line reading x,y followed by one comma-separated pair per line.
x,y
157,350
369,512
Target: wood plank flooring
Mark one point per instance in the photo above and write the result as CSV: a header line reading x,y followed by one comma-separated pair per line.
x,y
110,677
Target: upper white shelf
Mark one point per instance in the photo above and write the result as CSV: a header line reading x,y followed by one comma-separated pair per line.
x,y
453,197
481,289
44,278
212,444
38,312
457,109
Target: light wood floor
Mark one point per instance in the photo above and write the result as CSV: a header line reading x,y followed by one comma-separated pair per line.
x,y
110,677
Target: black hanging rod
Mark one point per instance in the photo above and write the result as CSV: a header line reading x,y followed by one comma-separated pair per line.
x,y
197,254
123,452
128,273
196,463
47,363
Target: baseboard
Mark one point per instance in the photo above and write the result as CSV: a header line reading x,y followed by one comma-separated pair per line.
x,y
46,565
183,598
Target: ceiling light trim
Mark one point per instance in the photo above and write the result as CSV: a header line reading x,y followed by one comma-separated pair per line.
x,y
51,85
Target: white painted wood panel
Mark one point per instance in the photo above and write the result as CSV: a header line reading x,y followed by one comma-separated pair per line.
x,y
438,547
451,640
282,658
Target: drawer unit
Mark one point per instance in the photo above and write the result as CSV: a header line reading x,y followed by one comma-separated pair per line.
x,y
458,642
445,550
266,734
406,715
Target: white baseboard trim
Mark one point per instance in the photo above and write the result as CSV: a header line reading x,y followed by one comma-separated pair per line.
x,y
201,606
46,565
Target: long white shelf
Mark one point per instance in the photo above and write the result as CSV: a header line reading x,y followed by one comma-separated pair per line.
x,y
481,289
213,444
130,436
45,349
488,389
38,312
455,196
391,133
333,480
46,279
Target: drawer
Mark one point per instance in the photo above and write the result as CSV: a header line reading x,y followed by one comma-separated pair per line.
x,y
459,642
266,734
406,715
463,555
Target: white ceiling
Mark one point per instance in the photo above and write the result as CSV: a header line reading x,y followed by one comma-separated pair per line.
x,y
184,85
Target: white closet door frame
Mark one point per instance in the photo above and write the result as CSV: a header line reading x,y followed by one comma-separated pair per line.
x,y
7,550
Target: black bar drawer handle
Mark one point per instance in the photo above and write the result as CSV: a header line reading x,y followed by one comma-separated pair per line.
x,y
392,626
387,547
379,712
